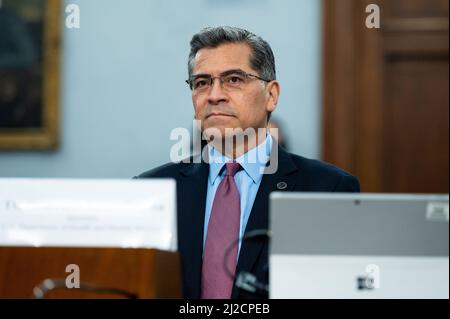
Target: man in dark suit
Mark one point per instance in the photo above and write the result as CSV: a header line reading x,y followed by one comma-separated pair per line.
x,y
223,195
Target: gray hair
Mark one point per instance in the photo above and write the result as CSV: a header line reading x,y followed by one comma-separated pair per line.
x,y
262,58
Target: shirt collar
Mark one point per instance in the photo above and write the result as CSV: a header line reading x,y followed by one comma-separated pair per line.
x,y
253,162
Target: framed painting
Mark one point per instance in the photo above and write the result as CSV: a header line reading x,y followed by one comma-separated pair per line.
x,y
29,74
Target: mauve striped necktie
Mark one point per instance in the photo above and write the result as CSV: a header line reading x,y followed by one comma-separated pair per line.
x,y
223,230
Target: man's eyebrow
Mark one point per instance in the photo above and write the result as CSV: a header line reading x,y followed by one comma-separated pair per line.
x,y
227,72
200,75
238,71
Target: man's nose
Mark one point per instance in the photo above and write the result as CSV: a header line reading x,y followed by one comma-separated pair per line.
x,y
216,93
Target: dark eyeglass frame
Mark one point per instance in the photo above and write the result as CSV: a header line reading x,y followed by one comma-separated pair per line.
x,y
239,72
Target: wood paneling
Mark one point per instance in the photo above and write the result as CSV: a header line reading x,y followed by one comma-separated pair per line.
x,y
146,273
385,110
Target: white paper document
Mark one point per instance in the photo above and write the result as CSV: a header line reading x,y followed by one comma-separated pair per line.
x,y
88,213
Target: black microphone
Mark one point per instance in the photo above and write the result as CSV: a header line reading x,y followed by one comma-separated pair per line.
x,y
246,280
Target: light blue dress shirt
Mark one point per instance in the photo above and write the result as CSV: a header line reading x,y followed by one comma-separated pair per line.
x,y
247,180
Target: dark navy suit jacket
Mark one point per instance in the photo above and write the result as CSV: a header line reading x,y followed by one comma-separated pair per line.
x,y
299,173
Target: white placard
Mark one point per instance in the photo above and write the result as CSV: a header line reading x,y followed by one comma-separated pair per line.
x,y
88,213
338,277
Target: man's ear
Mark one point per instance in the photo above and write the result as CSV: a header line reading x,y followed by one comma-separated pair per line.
x,y
273,92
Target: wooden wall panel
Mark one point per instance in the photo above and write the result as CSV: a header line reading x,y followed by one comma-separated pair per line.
x,y
385,104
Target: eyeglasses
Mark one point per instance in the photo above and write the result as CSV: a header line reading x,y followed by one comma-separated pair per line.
x,y
230,80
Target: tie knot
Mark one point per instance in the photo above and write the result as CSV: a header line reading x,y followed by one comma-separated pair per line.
x,y
232,168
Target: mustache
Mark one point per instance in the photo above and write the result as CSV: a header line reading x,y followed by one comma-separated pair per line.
x,y
223,109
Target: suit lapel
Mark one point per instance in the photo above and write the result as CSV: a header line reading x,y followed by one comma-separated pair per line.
x,y
191,216
282,180
192,189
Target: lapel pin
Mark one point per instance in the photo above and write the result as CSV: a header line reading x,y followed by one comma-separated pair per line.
x,y
281,185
